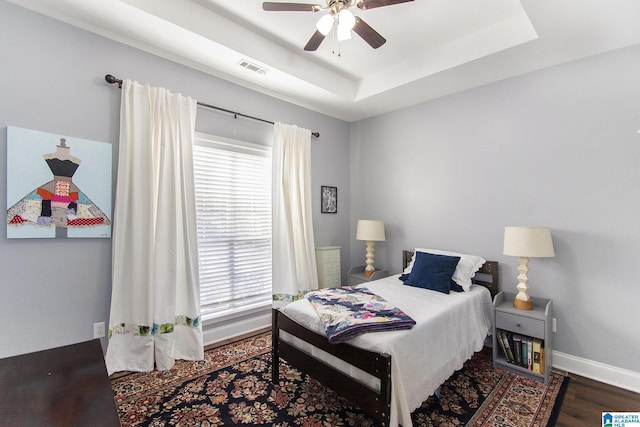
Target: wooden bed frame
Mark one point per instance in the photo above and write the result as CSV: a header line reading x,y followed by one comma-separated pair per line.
x,y
375,403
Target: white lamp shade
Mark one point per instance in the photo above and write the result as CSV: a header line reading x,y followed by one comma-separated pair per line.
x,y
533,242
370,230
346,21
325,24
346,18
343,33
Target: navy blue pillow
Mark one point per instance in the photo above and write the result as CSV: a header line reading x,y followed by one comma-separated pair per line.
x,y
455,287
431,271
452,284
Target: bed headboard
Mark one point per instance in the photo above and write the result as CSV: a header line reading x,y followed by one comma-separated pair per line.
x,y
487,276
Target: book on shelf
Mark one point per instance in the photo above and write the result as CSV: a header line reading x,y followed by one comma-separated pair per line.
x,y
517,346
501,342
524,352
508,353
529,353
509,344
536,355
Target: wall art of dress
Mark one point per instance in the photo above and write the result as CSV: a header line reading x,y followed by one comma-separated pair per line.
x,y
57,186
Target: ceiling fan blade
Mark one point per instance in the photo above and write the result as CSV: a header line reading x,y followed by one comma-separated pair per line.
x,y
368,34
372,4
314,41
290,7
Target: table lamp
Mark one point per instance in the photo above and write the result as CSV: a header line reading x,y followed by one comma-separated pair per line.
x,y
525,243
370,231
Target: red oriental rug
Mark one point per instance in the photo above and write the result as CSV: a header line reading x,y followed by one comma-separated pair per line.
x,y
232,387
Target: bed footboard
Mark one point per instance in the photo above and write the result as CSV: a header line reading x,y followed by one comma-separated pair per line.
x,y
376,403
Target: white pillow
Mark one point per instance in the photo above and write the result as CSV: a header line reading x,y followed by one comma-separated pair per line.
x,y
465,270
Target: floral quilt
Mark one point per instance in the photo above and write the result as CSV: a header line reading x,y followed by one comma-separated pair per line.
x,y
347,312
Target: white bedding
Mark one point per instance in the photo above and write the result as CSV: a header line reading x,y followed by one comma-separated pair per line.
x,y
449,329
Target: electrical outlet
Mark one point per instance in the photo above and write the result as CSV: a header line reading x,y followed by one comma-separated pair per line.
x,y
98,330
553,324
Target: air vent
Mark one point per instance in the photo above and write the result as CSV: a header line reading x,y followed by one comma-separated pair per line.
x,y
252,67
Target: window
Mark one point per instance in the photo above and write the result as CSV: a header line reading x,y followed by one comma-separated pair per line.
x,y
233,208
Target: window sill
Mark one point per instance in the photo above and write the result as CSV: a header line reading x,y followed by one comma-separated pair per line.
x,y
224,326
229,315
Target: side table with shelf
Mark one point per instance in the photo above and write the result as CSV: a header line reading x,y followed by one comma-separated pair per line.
x,y
536,323
357,277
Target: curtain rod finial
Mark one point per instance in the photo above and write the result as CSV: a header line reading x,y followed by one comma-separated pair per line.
x,y
113,80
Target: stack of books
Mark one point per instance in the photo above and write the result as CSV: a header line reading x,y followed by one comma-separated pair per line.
x,y
522,350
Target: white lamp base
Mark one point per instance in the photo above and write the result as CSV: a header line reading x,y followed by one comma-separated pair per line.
x,y
522,301
369,269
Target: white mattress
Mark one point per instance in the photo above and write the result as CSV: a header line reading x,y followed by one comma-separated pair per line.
x,y
449,329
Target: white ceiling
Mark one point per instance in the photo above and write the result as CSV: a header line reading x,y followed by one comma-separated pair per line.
x,y
434,47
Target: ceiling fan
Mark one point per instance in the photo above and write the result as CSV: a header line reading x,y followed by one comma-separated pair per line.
x,y
340,16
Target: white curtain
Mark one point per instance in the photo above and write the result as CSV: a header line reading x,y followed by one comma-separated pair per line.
x,y
155,308
294,260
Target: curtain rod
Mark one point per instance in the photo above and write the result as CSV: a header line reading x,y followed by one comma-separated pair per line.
x,y
113,80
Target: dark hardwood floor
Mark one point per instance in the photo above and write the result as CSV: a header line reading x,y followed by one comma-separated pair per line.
x,y
586,400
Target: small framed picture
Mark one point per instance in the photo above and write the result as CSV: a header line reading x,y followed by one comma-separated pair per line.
x,y
329,199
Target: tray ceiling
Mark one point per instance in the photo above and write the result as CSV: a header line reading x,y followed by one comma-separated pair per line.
x,y
434,47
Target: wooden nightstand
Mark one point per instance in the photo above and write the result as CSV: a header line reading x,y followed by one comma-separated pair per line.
x,y
526,324
357,277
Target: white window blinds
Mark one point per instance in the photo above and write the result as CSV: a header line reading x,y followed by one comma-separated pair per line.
x,y
233,204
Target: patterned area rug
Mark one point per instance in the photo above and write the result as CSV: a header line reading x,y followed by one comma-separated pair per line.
x,y
232,387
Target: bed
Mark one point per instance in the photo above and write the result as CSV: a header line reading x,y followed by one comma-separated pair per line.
x,y
416,360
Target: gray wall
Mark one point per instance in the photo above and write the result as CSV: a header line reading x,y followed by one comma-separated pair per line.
x,y
558,147
52,79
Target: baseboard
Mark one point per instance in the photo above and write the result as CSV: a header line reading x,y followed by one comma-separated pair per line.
x,y
217,332
623,378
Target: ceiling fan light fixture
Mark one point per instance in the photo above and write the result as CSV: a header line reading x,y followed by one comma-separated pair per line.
x,y
343,33
325,24
338,13
346,18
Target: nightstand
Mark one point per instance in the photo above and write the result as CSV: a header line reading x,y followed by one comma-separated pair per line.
x,y
524,325
357,277
328,263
